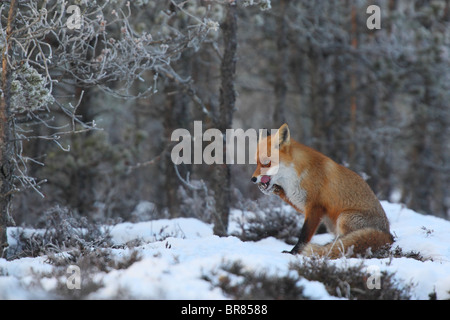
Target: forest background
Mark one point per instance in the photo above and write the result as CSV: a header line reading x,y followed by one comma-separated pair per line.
x,y
90,108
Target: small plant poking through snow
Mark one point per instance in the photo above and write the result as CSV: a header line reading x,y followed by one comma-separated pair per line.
x,y
237,282
267,218
350,282
61,231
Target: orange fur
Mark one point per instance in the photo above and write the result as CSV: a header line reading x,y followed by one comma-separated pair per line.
x,y
325,191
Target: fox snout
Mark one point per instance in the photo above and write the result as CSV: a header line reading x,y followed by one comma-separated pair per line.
x,y
261,179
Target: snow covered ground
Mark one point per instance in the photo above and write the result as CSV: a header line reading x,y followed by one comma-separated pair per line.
x,y
173,266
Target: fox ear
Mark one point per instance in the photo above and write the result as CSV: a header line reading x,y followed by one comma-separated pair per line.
x,y
283,135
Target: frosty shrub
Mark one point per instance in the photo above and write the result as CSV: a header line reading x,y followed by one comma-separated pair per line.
x,y
28,91
91,262
267,217
350,282
196,202
61,231
237,282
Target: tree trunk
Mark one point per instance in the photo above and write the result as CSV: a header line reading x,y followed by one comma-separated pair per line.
x,y
6,147
353,106
280,87
176,116
224,118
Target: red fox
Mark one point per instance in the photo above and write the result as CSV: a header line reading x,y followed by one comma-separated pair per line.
x,y
322,190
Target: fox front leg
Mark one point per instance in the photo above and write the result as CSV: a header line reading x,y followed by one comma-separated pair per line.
x,y
309,228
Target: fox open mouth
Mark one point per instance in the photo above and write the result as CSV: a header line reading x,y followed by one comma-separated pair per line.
x,y
266,186
265,182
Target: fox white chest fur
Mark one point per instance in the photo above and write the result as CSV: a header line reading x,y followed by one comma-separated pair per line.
x,y
288,178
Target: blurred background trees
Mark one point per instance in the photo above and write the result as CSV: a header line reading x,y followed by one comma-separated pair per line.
x,y
376,101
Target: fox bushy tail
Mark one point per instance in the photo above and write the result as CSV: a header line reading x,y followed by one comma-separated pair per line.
x,y
352,244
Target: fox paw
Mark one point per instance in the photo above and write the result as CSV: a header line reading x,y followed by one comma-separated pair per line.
x,y
293,251
277,190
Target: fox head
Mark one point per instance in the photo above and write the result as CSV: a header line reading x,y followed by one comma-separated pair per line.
x,y
271,151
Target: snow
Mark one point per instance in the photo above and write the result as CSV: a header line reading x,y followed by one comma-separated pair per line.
x,y
176,254
150,231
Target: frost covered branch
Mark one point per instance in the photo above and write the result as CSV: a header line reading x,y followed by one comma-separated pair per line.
x,y
106,51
